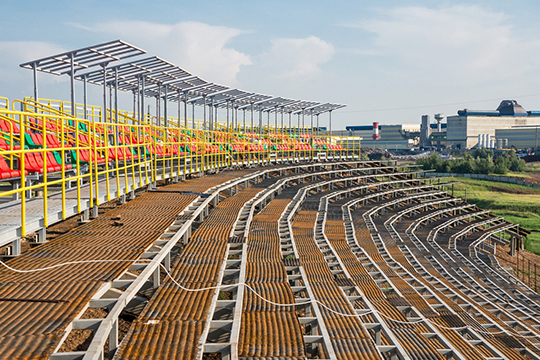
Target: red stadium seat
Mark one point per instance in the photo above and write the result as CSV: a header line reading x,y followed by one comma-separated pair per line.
x,y
6,172
33,162
9,127
5,145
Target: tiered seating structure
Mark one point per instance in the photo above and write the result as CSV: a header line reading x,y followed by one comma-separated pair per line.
x,y
323,259
45,151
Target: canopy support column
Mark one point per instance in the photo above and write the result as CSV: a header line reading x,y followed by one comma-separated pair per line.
x,y
165,110
142,100
85,98
116,95
34,71
104,110
72,83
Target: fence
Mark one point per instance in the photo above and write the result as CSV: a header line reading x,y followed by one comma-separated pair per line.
x,y
505,179
48,155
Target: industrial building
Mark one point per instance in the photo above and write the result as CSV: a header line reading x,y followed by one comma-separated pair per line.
x,y
520,137
510,125
464,128
390,137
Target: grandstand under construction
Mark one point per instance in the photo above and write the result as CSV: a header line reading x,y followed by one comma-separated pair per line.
x,y
231,239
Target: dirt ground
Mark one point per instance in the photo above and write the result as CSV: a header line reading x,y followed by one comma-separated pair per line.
x,y
527,262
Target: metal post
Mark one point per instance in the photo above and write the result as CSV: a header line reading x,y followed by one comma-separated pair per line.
x,y
104,110
318,129
179,110
72,83
158,106
216,118
211,118
311,122
110,104
303,121
85,99
227,115
116,96
142,99
139,99
275,119
281,128
204,112
252,138
260,122
165,112
290,119
235,117
192,115
134,102
34,70
330,122
185,110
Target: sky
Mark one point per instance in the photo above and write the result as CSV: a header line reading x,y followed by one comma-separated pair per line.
x,y
388,61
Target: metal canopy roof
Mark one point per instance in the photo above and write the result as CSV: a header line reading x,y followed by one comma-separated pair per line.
x,y
298,107
326,107
159,75
129,70
274,102
188,85
219,97
84,58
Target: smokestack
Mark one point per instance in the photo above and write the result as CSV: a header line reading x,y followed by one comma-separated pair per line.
x,y
375,131
425,131
439,117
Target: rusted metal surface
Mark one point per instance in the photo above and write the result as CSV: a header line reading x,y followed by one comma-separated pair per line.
x,y
349,337
31,329
269,330
173,321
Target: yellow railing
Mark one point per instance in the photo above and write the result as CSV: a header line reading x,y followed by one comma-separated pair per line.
x,y
67,158
93,113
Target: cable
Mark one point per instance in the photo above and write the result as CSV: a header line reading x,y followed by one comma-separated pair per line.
x,y
372,311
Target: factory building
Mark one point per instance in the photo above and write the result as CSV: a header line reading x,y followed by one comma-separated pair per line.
x,y
463,129
520,137
390,137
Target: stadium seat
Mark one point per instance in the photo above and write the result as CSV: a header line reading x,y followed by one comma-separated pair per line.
x,y
33,162
5,145
6,172
9,127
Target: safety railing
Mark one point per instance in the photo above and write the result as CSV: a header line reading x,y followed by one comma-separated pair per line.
x,y
68,164
92,113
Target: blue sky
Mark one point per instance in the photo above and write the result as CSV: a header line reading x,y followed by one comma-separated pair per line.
x,y
389,61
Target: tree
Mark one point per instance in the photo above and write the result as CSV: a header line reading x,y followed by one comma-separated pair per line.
x,y
501,165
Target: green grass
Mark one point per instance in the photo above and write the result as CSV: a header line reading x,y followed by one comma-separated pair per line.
x,y
516,203
532,168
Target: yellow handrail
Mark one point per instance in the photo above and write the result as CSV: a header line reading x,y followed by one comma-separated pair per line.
x,y
106,160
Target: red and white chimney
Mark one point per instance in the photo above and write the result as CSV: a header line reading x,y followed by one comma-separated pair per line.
x,y
375,131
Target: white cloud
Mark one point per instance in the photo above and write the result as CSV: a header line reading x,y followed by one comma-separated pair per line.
x,y
16,82
296,58
21,52
196,47
464,44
